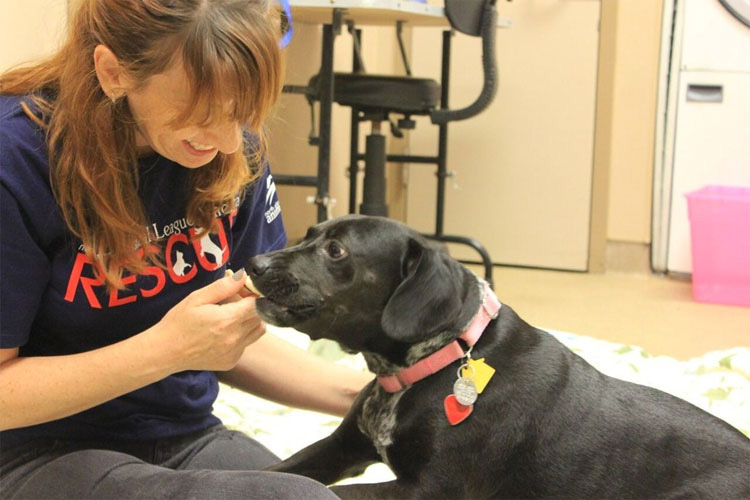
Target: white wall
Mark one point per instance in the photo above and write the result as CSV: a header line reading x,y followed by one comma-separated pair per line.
x,y
30,29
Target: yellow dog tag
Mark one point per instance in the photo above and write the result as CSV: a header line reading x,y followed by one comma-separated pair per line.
x,y
482,373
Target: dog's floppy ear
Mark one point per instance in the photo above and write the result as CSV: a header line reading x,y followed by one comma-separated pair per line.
x,y
428,298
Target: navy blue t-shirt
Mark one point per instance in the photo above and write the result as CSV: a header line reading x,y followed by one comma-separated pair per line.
x,y
51,303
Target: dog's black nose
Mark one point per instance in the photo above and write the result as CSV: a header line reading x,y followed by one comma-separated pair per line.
x,y
258,265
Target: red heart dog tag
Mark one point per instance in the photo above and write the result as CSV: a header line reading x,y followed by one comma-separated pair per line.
x,y
455,411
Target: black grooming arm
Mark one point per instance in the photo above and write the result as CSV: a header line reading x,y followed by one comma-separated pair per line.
x,y
474,17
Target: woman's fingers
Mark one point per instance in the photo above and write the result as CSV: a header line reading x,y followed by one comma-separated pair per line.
x,y
220,290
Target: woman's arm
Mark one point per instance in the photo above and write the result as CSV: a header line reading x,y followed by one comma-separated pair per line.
x,y
196,334
277,370
35,390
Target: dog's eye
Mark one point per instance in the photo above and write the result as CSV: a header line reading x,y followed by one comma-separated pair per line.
x,y
335,251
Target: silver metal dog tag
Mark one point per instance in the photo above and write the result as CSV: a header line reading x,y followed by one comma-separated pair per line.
x,y
465,391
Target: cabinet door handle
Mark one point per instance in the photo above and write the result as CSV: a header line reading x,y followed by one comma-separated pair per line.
x,y
705,93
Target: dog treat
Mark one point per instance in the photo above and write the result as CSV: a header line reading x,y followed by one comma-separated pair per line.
x,y
249,285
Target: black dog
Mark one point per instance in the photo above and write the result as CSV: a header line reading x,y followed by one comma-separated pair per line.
x,y
546,425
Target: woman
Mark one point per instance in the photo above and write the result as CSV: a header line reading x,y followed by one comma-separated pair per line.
x,y
133,176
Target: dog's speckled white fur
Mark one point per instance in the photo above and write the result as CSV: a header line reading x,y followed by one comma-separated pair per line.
x,y
378,418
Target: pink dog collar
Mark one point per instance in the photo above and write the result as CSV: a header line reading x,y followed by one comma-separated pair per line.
x,y
448,354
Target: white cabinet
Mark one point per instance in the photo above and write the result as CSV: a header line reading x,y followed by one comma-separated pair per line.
x,y
712,146
707,138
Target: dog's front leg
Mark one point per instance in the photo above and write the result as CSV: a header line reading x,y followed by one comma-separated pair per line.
x,y
345,453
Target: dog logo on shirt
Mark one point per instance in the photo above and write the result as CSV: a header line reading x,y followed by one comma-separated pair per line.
x,y
180,265
211,248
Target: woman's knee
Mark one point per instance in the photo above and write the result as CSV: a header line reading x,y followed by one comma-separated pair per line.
x,y
259,484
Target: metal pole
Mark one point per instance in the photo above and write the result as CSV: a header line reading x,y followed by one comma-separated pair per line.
x,y
442,171
354,127
324,127
373,190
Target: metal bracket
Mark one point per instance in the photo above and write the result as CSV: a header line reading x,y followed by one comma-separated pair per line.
x,y
360,64
336,21
325,201
399,29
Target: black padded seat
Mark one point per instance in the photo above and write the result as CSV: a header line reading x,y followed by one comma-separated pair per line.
x,y
385,93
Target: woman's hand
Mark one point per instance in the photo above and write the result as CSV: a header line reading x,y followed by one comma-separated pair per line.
x,y
211,327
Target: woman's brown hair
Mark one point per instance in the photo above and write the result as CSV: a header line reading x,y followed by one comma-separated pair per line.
x,y
227,48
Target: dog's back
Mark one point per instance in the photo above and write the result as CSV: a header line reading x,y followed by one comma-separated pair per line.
x,y
586,434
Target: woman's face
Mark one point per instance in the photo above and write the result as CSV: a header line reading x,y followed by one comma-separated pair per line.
x,y
154,107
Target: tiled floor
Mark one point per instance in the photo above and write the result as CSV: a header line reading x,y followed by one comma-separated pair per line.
x,y
654,312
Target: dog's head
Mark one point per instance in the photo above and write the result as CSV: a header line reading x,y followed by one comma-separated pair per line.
x,y
369,283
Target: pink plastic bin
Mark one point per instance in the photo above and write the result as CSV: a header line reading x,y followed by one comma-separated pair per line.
x,y
720,238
